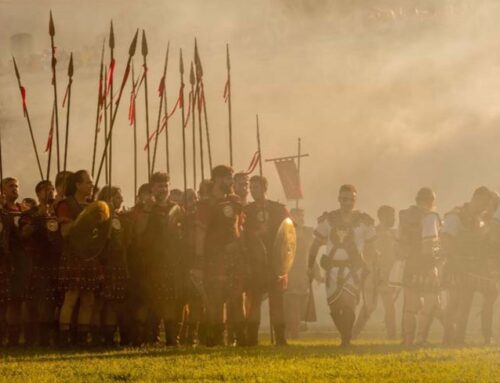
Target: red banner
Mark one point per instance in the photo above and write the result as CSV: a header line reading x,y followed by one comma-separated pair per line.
x,y
290,179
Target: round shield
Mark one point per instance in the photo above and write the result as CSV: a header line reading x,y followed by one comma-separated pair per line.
x,y
52,225
284,248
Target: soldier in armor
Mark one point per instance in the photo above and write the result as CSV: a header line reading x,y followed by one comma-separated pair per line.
x,y
218,269
468,268
263,218
19,263
116,279
157,230
419,245
41,238
80,272
4,274
376,282
349,236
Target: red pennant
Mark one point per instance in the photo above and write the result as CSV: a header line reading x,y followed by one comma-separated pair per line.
x,y
23,98
111,72
253,163
191,99
66,94
161,87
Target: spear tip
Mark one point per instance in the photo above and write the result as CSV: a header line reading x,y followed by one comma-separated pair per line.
x,y
70,66
111,36
133,45
144,44
228,59
52,29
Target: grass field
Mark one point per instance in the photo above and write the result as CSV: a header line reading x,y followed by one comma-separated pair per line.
x,y
303,361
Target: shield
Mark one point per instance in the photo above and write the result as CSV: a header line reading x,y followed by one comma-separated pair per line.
x,y
284,248
89,233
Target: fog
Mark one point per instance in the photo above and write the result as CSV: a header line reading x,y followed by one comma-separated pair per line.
x,y
387,95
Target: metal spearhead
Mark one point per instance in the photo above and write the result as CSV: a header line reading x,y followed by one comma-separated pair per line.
x,y
144,45
102,51
52,29
197,61
228,60
16,69
133,44
191,75
70,66
181,63
111,36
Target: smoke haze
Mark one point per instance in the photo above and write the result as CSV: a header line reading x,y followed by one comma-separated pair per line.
x,y
387,95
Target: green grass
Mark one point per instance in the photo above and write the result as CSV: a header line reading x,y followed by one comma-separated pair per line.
x,y
302,361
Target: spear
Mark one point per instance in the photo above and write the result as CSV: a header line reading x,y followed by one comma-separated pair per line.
x,y
227,94
181,97
199,72
258,144
144,49
131,53
26,114
167,151
193,103
68,94
49,143
1,166
52,32
110,79
162,100
106,115
135,132
198,98
99,104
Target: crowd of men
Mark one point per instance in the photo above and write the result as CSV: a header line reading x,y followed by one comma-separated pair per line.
x,y
194,267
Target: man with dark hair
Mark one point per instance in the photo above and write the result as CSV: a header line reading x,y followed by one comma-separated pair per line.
x,y
218,264
419,245
376,282
263,218
157,237
40,233
349,237
19,262
468,268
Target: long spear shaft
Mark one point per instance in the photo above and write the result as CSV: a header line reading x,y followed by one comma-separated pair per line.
x,y
193,124
112,67
181,70
207,131
160,110
68,110
51,130
298,166
1,165
27,115
124,80
199,72
258,144
52,32
135,134
167,143
99,105
106,115
144,49
228,64
199,76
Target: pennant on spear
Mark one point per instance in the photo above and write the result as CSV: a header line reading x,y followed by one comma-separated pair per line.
x,y
52,32
98,117
144,51
48,147
227,98
27,115
199,75
67,98
131,53
161,94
